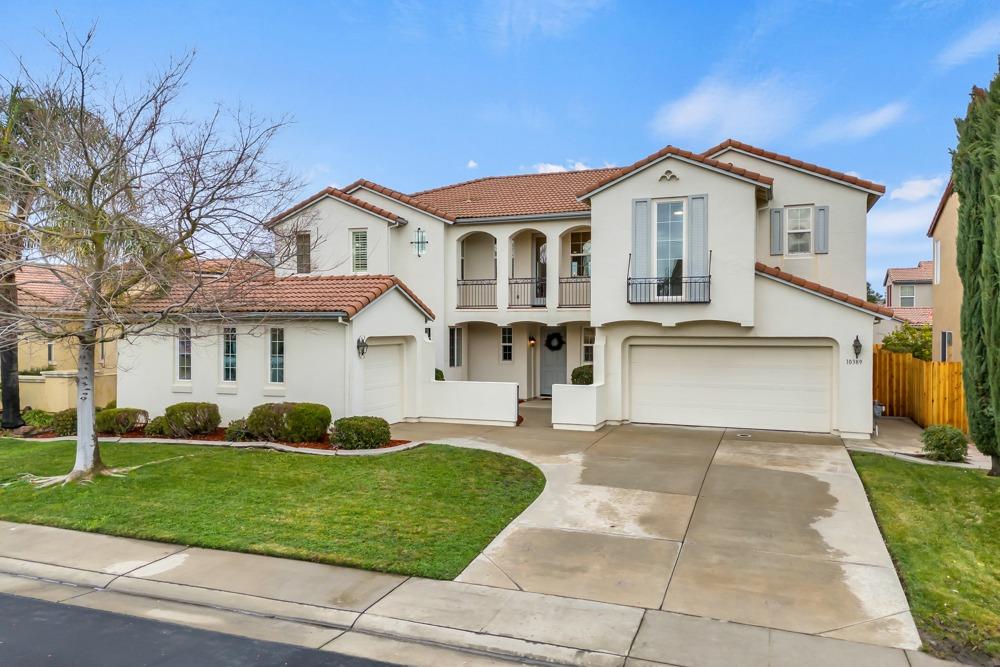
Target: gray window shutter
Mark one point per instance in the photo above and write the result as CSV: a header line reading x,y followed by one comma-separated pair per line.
x,y
777,231
821,244
697,237
641,251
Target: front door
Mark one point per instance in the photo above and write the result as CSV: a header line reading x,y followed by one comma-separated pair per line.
x,y
553,364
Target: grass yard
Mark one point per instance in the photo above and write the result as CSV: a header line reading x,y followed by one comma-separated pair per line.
x,y
426,512
942,526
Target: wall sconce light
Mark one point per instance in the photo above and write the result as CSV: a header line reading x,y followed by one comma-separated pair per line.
x,y
531,341
362,346
858,347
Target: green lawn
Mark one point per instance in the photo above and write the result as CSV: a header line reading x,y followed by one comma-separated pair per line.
x,y
426,512
942,526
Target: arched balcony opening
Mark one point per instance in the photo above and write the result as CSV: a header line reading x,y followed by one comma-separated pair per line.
x,y
477,271
528,269
574,268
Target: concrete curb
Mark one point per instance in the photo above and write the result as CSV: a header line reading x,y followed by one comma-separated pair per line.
x,y
276,446
910,458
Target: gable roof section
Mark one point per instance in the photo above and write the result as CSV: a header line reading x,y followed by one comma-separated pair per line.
x,y
822,290
923,272
518,195
948,191
47,287
687,156
918,316
874,189
412,202
388,216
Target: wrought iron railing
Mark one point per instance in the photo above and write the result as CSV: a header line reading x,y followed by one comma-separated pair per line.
x,y
670,289
574,292
527,292
479,293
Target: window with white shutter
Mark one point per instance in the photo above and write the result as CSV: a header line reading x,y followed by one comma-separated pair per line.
x,y
359,251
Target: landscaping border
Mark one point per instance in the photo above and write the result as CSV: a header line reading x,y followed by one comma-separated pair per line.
x,y
276,446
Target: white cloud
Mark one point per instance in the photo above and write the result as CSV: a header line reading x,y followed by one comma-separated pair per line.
x,y
718,108
471,164
568,165
514,21
859,126
979,41
916,189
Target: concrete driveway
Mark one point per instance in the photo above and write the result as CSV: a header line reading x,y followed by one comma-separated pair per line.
x,y
765,528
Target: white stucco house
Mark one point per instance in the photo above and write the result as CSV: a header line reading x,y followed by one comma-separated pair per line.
x,y
722,288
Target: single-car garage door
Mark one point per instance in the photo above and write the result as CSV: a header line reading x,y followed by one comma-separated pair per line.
x,y
767,387
384,382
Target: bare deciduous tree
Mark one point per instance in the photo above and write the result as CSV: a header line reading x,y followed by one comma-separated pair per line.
x,y
133,202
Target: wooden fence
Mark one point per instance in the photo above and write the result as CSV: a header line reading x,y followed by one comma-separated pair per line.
x,y
928,392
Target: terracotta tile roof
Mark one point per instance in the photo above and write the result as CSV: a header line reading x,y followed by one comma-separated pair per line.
x,y
679,152
339,194
522,194
46,287
267,293
400,197
821,289
948,191
808,166
919,316
922,273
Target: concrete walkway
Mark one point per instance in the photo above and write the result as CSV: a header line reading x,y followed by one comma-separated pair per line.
x,y
899,436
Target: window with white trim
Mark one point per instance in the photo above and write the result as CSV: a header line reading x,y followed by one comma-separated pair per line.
x,y
798,229
579,254
229,354
303,252
184,354
276,366
937,262
907,296
359,250
589,335
506,344
50,353
454,347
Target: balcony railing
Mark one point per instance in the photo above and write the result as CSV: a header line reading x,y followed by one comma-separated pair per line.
x,y
574,292
527,292
680,289
479,293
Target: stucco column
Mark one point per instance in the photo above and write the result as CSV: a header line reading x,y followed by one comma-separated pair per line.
x,y
503,270
552,258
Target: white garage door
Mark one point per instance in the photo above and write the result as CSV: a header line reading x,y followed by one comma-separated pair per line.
x,y
782,388
384,382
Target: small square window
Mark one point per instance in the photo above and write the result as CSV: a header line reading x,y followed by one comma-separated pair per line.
x,y
907,296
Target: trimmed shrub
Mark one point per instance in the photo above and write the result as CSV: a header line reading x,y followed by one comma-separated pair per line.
x,y
111,405
583,375
237,431
307,422
944,443
64,422
37,418
267,421
118,421
439,375
158,428
187,419
362,432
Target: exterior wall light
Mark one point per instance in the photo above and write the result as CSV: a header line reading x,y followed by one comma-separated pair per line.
x,y
858,347
531,341
362,346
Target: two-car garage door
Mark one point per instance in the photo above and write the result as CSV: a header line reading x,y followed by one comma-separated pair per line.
x,y
766,387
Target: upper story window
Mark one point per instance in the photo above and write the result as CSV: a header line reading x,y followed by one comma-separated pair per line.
x,y
668,248
419,242
506,344
799,228
937,261
359,251
588,344
229,354
579,254
276,364
454,347
303,250
184,353
907,296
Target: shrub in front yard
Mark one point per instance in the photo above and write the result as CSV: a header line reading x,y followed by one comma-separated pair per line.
x,y
187,419
439,375
158,428
583,375
944,443
64,422
307,422
37,418
267,421
118,421
362,432
237,431
111,405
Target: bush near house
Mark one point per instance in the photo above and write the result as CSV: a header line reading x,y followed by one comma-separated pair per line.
x,y
37,418
238,431
583,375
187,419
64,422
944,443
36,371
439,375
119,421
158,428
362,432
908,338
291,422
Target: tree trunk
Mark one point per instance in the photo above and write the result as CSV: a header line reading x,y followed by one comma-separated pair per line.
x,y
995,470
88,454
10,388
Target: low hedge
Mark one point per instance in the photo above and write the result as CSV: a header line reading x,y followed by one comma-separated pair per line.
x,y
119,421
362,432
290,422
187,419
237,431
583,375
64,422
158,427
944,443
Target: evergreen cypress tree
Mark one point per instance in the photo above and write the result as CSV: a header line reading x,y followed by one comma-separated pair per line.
x,y
977,181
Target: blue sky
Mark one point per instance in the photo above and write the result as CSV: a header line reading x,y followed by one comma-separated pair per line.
x,y
417,94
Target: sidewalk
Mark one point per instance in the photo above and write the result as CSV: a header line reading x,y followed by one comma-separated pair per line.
x,y
403,620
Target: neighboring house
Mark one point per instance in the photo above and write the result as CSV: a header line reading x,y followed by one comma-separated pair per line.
x,y
947,285
908,294
723,288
